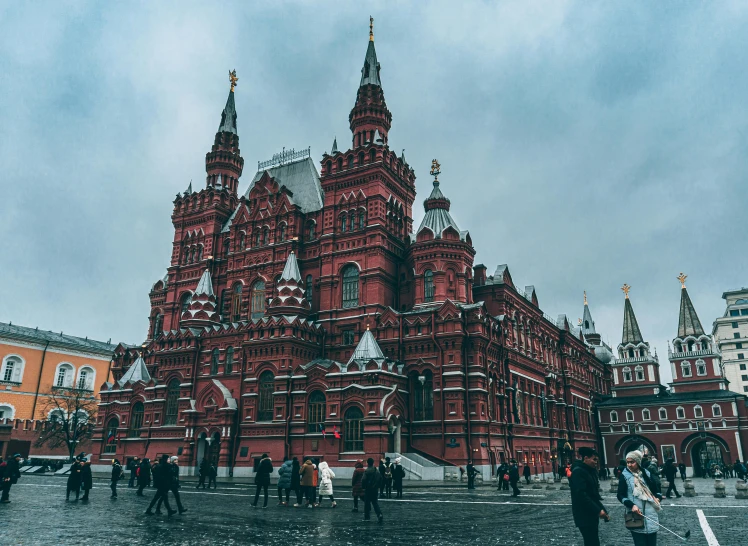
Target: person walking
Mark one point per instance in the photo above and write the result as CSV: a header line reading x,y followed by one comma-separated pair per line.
x,y
670,472
526,472
162,480
133,466
86,478
398,474
471,472
212,474
174,486
296,482
203,471
640,494
74,480
371,484
262,479
357,489
325,483
514,478
388,477
144,475
501,478
306,472
117,474
382,470
284,481
10,472
586,503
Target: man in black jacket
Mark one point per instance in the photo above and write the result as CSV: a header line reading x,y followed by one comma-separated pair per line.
x,y
11,471
500,473
162,480
670,472
514,478
133,466
370,483
471,472
586,503
174,487
204,472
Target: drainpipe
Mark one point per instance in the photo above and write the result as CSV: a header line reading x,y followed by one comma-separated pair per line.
x,y
441,382
467,386
239,418
39,381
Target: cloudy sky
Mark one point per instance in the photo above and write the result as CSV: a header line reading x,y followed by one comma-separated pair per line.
x,y
583,144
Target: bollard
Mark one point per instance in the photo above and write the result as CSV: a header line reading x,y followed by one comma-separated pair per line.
x,y
719,489
564,484
664,485
741,490
614,485
550,484
689,489
479,479
536,483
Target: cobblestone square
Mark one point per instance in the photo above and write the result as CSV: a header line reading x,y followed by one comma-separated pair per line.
x,y
436,514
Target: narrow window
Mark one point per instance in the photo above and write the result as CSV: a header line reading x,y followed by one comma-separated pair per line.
x,y
228,366
308,291
214,362
136,420
316,412
258,299
265,402
172,402
353,430
350,286
428,285
236,303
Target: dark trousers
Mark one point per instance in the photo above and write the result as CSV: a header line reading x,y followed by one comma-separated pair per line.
x,y
642,539
201,481
388,487
257,494
140,488
527,480
590,535
355,502
73,489
113,487
165,498
212,480
162,495
6,490
683,476
370,499
381,486
131,483
672,488
503,484
471,481
311,494
399,489
299,494
515,489
280,494
85,493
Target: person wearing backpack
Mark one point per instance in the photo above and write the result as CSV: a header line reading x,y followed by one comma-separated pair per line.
x,y
388,477
370,483
117,474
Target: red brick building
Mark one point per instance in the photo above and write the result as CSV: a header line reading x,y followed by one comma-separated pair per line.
x,y
697,421
307,317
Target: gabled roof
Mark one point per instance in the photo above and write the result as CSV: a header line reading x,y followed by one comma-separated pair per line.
x,y
301,178
205,286
688,321
291,269
367,349
138,371
631,331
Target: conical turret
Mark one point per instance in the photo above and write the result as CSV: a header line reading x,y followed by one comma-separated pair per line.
x,y
224,162
290,297
588,325
688,321
631,331
202,309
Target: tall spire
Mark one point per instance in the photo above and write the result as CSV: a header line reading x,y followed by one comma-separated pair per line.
x,y
588,325
290,296
631,331
224,161
688,321
370,70
228,116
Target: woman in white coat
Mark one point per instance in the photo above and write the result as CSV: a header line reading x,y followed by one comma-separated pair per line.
x,y
325,483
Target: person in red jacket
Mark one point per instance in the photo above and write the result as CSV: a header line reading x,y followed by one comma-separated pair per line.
x,y
356,488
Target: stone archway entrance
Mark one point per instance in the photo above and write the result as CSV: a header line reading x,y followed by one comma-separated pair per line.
x,y
395,438
704,455
202,447
214,449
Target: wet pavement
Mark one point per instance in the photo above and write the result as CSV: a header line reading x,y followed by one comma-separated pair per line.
x,y
439,515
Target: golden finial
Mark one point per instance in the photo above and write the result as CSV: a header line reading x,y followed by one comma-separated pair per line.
x,y
682,278
371,28
579,321
435,172
367,326
626,289
233,79
585,297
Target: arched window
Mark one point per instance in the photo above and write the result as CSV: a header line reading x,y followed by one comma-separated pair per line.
x,y
343,222
7,411
199,253
86,379
626,374
423,401
310,230
340,163
316,413
226,248
308,291
257,237
172,402
12,369
111,435
613,416
354,221
685,368
214,361
228,366
372,154
241,241
645,415
236,303
639,373
184,304
428,285
361,158
631,353
678,347
266,236
158,325
328,167
716,410
362,219
136,420
698,413
64,377
350,161
265,402
700,367
282,232
690,345
353,430
350,286
680,412
258,300
629,415
663,414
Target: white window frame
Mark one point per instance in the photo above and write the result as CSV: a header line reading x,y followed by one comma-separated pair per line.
x,y
685,369
11,408
660,411
680,413
639,370
90,378
18,367
613,416
626,372
69,376
716,410
646,415
698,412
629,415
700,364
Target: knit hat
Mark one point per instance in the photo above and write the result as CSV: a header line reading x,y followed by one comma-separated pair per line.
x,y
636,455
397,460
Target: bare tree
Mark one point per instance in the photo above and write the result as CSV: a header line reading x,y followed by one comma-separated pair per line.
x,y
71,416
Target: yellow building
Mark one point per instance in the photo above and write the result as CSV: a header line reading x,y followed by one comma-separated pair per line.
x,y
34,362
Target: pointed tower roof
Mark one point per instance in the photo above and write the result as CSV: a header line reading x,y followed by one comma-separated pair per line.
x,y
228,116
688,321
631,331
205,286
437,217
138,371
334,146
588,325
370,70
291,269
367,349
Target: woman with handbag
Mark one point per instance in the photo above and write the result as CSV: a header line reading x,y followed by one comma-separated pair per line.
x,y
640,493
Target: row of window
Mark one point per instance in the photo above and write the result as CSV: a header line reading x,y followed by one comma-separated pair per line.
x,y
65,376
680,413
738,312
353,220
